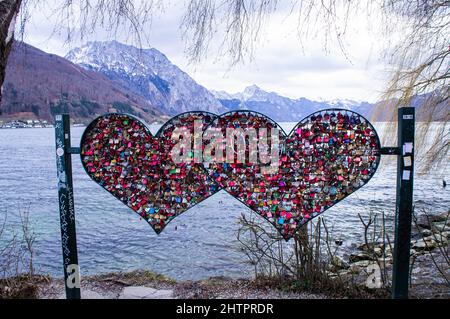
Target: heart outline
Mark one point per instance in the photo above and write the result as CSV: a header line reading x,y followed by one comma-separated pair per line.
x,y
206,172
286,136
157,135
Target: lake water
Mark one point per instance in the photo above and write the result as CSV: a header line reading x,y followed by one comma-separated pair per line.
x,y
198,244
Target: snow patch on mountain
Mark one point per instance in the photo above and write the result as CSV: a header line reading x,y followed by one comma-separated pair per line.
x,y
147,72
282,108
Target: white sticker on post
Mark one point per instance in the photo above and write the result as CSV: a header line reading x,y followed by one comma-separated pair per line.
x,y
407,161
406,175
407,148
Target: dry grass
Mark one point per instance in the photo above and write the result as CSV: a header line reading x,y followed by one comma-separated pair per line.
x,y
330,287
21,287
309,265
134,278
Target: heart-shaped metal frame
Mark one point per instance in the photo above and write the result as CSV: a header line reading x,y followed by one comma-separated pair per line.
x,y
300,123
157,227
205,171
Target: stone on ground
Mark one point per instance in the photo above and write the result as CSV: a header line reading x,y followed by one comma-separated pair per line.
x,y
89,294
145,293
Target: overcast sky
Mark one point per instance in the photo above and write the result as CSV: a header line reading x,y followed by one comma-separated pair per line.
x,y
279,64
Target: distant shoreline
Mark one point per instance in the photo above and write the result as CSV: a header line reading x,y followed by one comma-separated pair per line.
x,y
37,127
5,126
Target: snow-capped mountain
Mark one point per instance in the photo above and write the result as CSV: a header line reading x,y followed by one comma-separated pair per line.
x,y
253,93
282,108
148,73
344,103
110,75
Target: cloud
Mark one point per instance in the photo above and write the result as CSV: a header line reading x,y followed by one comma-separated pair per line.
x,y
280,63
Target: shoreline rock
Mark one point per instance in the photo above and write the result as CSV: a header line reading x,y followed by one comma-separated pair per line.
x,y
139,292
428,245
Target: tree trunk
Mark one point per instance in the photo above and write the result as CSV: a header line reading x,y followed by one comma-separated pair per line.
x,y
8,14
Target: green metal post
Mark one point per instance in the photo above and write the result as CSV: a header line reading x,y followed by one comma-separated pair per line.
x,y
66,207
404,207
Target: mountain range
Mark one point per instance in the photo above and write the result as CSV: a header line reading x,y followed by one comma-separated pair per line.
x,y
110,76
39,85
281,108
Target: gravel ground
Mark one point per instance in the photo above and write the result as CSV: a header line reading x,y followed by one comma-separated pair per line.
x,y
427,282
113,286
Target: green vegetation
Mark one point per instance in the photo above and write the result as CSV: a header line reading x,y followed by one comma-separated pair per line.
x,y
83,108
123,107
35,109
59,108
